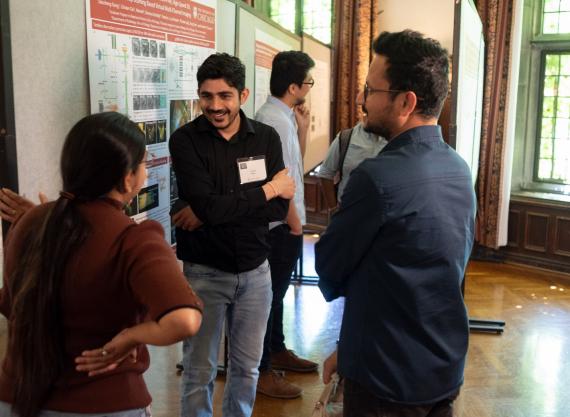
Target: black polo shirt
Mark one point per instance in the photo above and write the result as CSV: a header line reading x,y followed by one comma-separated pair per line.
x,y
233,237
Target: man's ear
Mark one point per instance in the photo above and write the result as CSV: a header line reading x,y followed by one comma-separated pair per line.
x,y
292,89
244,95
409,101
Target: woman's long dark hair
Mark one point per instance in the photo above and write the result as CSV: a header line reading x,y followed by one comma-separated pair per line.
x,y
97,154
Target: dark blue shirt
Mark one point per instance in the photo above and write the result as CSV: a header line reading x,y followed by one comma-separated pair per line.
x,y
397,249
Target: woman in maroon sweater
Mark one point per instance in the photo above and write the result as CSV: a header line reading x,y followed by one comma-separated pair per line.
x,y
85,288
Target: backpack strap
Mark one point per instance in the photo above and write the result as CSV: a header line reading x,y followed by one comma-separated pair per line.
x,y
344,141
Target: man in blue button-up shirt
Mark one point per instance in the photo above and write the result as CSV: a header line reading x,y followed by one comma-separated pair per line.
x,y
398,247
284,111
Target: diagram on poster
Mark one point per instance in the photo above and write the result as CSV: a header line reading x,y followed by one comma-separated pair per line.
x,y
143,59
183,64
266,47
110,83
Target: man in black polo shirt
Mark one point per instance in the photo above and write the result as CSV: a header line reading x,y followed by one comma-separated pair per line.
x,y
231,178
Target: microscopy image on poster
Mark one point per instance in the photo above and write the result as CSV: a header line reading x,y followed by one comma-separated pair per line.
x,y
182,112
153,201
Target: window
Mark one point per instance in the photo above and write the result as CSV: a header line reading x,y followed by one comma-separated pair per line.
x,y
553,138
556,16
317,19
554,126
543,125
313,17
284,12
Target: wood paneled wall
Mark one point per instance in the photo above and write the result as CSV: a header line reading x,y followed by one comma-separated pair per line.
x,y
539,234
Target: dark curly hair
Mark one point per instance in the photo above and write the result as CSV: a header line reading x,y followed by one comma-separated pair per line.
x,y
222,65
417,64
289,67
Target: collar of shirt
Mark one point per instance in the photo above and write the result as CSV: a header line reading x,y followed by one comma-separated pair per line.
x,y
245,127
420,134
281,106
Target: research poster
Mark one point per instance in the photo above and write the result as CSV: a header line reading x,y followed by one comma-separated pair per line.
x,y
266,47
143,59
318,100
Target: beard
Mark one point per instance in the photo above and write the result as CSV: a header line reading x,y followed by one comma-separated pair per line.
x,y
211,115
377,126
377,130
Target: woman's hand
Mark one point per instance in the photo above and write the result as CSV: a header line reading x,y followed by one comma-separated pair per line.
x,y
109,357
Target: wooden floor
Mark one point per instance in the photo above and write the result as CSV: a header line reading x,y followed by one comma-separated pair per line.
x,y
524,372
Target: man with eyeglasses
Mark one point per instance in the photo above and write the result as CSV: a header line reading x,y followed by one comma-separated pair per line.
x,y
405,231
285,111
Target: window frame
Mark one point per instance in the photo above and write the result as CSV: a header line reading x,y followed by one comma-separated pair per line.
x,y
530,97
264,6
544,51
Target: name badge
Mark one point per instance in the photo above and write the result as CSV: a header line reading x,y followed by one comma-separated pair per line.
x,y
251,169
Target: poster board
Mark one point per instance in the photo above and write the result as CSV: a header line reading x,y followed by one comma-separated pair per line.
x,y
249,26
467,84
142,59
266,47
226,26
319,101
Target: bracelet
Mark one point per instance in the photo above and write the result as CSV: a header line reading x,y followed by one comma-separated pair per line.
x,y
274,188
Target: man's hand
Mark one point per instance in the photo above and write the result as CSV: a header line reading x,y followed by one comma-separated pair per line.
x,y
303,118
329,367
285,186
109,357
186,219
13,206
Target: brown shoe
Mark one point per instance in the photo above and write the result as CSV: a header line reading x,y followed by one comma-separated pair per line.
x,y
287,360
273,384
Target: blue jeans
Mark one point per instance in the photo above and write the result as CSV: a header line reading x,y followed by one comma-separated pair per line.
x,y
6,411
243,300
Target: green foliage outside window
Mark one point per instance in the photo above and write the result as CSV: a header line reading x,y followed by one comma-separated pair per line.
x,y
284,12
554,137
317,19
316,16
556,16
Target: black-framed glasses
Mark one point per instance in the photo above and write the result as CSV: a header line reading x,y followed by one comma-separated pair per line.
x,y
368,91
309,83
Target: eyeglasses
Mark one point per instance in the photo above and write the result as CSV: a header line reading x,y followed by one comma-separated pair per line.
x,y
368,91
310,83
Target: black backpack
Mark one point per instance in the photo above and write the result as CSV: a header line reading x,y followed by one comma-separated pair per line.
x,y
343,142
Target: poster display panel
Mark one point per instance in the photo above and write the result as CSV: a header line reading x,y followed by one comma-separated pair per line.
x,y
318,101
143,56
467,89
266,47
